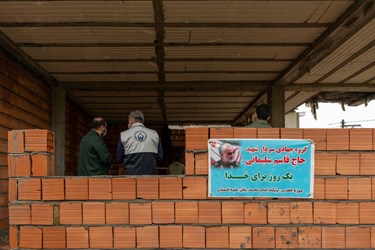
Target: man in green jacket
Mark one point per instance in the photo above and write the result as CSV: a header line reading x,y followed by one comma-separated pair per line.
x,y
94,157
263,112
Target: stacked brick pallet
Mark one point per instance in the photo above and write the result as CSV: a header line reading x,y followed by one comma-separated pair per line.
x,y
175,212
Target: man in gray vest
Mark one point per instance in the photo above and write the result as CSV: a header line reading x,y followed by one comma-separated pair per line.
x,y
139,147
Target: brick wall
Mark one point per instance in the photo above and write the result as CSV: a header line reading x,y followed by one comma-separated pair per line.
x,y
25,102
77,125
174,211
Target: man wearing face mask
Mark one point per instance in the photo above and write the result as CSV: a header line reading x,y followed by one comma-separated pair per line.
x,y
94,157
139,147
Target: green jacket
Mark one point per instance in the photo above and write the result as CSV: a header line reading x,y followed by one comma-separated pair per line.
x,y
259,124
94,157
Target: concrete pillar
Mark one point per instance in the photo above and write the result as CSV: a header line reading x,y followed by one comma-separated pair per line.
x,y
276,98
58,126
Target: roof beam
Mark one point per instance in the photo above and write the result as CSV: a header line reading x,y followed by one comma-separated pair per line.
x,y
171,86
152,59
159,51
331,87
166,25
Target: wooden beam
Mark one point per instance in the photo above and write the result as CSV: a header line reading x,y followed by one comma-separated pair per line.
x,y
170,86
166,25
357,16
277,99
152,59
159,51
164,44
331,87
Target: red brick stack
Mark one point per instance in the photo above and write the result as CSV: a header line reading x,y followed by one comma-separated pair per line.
x,y
175,212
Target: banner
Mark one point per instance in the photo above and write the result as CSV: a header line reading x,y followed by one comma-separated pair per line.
x,y
261,168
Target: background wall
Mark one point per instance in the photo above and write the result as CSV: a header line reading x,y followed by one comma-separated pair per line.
x,y
25,102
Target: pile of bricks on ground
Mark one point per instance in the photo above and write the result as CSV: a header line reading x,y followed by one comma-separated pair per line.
x,y
175,212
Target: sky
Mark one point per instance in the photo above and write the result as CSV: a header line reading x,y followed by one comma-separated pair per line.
x,y
329,115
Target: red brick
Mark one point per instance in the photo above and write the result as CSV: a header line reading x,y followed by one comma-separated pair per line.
x,y
373,139
16,141
209,212
333,237
360,189
325,164
101,237
348,164
367,164
194,237
373,188
76,188
219,133
189,163
336,188
19,214
196,138
319,188
337,139
372,237
217,237
301,212
42,214
12,190
278,213
148,188
268,133
170,188
100,189
54,237
347,213
70,213
245,133
147,237
162,212
233,212
309,237
291,133
77,237
194,188
366,213
358,237
324,213
37,140
53,189
93,213
286,237
29,189
318,136
124,237
256,213
13,237
263,237
42,165
117,213
19,165
170,236
30,237
186,212
124,188
240,237
201,163
361,139
140,213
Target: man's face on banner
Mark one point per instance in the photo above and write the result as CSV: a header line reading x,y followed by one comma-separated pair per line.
x,y
228,155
